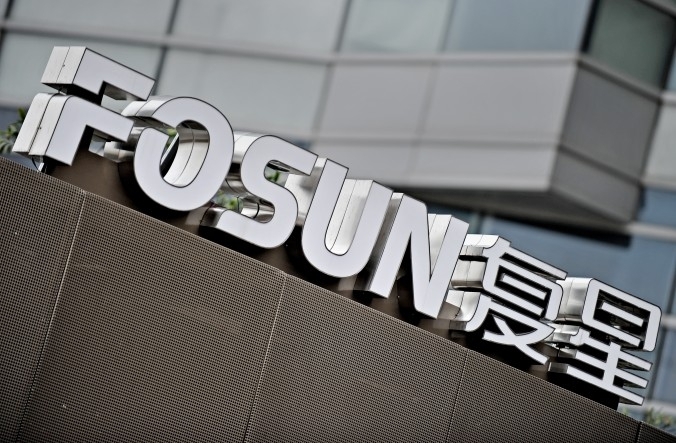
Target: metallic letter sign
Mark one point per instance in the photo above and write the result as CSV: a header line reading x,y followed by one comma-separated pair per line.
x,y
356,230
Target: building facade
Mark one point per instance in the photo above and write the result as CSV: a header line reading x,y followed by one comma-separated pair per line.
x,y
551,123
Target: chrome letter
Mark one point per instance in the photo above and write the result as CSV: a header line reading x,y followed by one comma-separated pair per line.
x,y
434,239
254,153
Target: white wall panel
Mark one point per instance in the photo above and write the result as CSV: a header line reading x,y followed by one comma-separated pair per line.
x,y
587,185
506,167
382,100
254,94
609,122
661,167
498,99
388,163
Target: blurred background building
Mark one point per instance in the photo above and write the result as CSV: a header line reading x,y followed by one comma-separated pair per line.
x,y
549,122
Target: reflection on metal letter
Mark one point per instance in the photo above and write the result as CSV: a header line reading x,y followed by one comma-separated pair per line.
x,y
276,209
337,241
435,243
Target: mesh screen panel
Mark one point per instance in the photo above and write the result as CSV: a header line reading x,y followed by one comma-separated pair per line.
x,y
158,336
38,216
498,402
339,371
649,434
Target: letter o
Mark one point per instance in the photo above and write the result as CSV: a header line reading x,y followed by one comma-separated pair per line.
x,y
209,167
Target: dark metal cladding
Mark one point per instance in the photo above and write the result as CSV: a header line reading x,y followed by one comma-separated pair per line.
x,y
155,334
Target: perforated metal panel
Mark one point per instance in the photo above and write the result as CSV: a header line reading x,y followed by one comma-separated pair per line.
x,y
649,434
158,336
37,222
339,371
499,403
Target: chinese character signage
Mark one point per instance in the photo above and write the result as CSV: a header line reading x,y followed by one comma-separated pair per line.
x,y
588,324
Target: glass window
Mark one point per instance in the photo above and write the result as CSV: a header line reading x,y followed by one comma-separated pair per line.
x,y
254,94
517,25
23,59
302,24
633,38
642,266
139,17
395,25
671,83
658,207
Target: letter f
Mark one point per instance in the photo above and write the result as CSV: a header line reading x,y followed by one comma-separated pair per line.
x,y
56,123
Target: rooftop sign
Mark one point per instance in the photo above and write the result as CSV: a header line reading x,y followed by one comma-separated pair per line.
x,y
355,230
